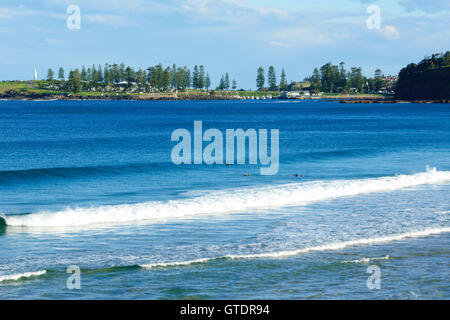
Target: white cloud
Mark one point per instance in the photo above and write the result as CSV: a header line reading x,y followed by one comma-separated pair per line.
x,y
390,32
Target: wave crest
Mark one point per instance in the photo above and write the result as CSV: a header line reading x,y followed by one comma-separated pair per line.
x,y
327,247
21,276
227,201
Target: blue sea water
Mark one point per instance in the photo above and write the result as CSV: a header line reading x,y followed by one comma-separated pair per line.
x,y
91,184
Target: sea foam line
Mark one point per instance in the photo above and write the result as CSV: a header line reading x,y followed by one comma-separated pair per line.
x,y
227,201
327,247
20,276
367,260
175,264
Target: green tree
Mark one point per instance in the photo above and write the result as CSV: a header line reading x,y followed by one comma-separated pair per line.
x,y
283,80
165,79
207,81
316,84
260,79
329,75
357,79
115,73
50,75
61,73
74,82
129,75
272,79
140,78
201,77
84,74
234,86
122,73
227,81
186,78
155,76
342,77
379,81
107,74
100,74
429,79
221,83
173,76
196,78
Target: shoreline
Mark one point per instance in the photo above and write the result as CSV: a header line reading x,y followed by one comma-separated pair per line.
x,y
194,97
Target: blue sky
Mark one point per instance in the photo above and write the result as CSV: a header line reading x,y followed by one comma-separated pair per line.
x,y
234,36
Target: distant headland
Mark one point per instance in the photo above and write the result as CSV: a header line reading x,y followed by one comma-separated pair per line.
x,y
425,82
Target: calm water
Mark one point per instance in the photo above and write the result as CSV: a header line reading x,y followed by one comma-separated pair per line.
x,y
91,184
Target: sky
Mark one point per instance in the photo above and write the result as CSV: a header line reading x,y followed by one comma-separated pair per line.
x,y
234,36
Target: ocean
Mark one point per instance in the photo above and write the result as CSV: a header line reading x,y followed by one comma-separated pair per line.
x,y
92,207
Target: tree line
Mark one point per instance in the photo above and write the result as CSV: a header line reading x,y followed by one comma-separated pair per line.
x,y
158,77
273,85
429,79
329,79
336,79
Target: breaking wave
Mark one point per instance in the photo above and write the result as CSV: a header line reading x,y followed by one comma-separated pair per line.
x,y
226,201
327,247
366,260
22,276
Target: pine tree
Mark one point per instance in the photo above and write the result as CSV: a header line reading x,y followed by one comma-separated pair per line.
x,y
115,73
221,83
50,75
173,77
316,84
94,76
283,80
272,79
100,74
129,75
260,79
122,73
201,77
207,81
165,79
74,82
61,73
227,81
186,78
84,74
234,84
195,78
106,74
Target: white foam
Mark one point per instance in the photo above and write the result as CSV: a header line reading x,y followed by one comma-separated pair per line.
x,y
327,247
228,201
345,244
19,276
174,264
366,260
